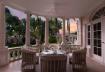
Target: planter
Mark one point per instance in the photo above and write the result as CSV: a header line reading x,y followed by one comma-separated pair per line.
x,y
37,41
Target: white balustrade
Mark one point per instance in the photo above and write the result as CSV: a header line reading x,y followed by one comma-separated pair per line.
x,y
14,53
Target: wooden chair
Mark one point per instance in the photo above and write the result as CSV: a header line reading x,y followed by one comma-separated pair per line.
x,y
78,60
28,60
53,63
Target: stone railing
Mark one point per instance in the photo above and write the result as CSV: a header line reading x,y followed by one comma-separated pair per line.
x,y
14,53
69,47
75,46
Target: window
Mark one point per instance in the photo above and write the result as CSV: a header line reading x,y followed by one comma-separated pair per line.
x,y
15,27
75,31
97,38
89,33
99,13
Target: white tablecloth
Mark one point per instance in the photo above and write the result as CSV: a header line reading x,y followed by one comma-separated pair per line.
x,y
70,55
47,52
53,52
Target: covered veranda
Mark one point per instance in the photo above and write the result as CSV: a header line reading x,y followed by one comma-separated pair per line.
x,y
84,10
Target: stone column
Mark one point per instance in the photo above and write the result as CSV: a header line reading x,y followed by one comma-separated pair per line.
x,y
68,30
46,32
80,31
3,51
63,35
27,33
68,26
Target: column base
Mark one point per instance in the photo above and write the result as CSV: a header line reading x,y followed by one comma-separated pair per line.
x,y
26,46
4,58
62,43
46,45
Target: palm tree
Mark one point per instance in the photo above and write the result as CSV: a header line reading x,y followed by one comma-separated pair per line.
x,y
37,28
54,26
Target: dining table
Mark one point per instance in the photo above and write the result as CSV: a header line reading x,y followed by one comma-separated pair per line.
x,y
46,52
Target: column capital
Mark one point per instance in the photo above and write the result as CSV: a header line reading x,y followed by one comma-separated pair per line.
x,y
28,12
68,18
47,17
2,1
63,18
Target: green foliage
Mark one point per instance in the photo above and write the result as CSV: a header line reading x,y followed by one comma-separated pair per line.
x,y
52,39
54,26
14,27
14,45
37,28
23,27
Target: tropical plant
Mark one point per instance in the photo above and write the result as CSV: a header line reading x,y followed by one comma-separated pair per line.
x,y
37,28
54,26
14,26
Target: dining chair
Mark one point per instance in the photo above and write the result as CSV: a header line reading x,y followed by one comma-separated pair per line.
x,y
53,63
28,60
78,60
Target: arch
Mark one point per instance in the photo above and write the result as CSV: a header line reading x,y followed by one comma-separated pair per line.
x,y
97,12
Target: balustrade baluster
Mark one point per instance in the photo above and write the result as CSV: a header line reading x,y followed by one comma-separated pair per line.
x,y
14,53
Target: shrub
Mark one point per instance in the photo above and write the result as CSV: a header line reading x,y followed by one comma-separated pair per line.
x,y
52,39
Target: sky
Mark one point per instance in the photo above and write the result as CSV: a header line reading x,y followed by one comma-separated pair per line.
x,y
21,15
73,26
17,13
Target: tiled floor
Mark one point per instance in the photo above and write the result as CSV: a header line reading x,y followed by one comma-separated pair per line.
x,y
16,67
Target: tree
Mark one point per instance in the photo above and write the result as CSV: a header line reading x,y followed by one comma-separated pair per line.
x,y
37,28
14,26
23,26
54,26
13,23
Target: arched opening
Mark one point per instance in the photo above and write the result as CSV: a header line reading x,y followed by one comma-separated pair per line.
x,y
95,34
99,13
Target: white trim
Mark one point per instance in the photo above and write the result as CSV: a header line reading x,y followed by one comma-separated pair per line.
x,y
96,57
89,47
96,21
103,38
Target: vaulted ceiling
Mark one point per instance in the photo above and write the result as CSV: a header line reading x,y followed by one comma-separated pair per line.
x,y
67,8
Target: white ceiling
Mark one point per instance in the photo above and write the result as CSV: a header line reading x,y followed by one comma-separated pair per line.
x,y
67,8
